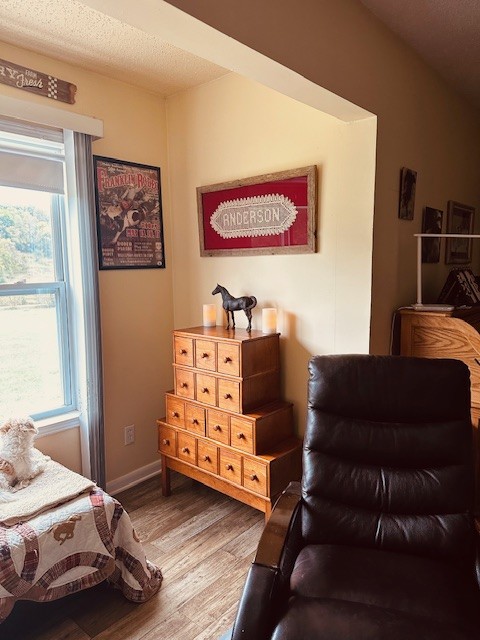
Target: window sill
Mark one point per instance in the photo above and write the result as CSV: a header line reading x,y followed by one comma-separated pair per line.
x,y
55,424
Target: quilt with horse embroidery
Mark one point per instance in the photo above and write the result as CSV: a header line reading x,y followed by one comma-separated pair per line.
x,y
72,547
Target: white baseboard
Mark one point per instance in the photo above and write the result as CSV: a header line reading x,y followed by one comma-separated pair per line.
x,y
134,477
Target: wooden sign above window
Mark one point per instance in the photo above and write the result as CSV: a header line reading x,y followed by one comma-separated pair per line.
x,y
37,82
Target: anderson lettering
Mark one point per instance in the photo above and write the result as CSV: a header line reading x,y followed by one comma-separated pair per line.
x,y
271,214
251,217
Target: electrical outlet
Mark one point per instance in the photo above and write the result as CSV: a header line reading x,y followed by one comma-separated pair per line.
x,y
129,434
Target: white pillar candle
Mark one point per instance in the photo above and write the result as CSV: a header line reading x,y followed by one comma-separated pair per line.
x,y
269,320
209,315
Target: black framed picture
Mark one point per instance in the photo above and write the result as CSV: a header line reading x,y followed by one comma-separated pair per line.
x,y
432,223
460,221
408,184
128,203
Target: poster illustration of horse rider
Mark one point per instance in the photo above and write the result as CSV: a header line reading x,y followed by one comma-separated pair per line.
x,y
129,215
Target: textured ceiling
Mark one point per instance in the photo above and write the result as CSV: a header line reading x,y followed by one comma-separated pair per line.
x,y
72,32
446,34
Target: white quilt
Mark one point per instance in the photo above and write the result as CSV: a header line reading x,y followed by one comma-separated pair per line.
x,y
71,547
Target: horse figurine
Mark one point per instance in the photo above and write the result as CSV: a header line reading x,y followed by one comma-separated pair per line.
x,y
231,304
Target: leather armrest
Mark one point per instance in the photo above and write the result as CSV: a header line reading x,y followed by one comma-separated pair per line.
x,y
266,587
282,524
254,615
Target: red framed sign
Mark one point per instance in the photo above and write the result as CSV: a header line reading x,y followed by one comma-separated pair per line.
x,y
269,214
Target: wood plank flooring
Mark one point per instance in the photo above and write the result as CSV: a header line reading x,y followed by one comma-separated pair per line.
x,y
204,543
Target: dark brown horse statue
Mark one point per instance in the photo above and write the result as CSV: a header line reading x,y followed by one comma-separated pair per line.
x,y
231,304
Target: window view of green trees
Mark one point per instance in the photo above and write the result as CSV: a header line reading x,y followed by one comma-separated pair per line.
x,y
25,244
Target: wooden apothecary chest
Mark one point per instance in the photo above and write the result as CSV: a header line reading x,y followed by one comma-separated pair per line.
x,y
225,423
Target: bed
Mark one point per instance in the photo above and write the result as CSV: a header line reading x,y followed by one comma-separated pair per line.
x,y
64,534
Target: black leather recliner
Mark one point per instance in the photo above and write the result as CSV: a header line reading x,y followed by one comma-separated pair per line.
x,y
378,541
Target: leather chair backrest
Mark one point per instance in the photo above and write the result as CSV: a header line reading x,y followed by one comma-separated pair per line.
x,y
388,455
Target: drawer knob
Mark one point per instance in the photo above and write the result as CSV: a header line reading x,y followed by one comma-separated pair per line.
x,y
183,352
205,390
184,385
204,355
194,421
253,477
175,414
217,427
227,396
166,442
227,359
185,450
206,458
229,467
241,436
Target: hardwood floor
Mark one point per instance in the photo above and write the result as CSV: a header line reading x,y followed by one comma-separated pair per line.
x,y
204,543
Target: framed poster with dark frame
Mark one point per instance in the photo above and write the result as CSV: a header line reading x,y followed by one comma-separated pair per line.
x,y
268,214
460,220
129,215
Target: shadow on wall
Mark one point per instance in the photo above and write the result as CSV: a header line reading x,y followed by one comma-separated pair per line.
x,y
294,357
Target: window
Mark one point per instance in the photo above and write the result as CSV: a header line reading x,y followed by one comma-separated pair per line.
x,y
37,372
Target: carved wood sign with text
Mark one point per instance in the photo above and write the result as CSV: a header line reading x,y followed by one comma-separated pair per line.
x,y
37,82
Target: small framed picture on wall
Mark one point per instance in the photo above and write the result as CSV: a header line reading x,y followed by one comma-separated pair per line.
x,y
432,223
408,183
460,221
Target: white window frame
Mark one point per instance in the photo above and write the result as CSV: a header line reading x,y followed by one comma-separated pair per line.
x,y
66,415
85,314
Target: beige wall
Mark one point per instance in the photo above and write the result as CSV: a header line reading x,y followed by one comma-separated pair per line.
x,y
233,128
136,305
63,447
422,123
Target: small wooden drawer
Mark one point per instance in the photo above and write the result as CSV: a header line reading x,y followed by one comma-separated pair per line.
x,y
231,466
229,395
218,426
206,388
195,419
175,412
185,383
183,351
205,355
167,440
207,457
241,435
186,448
255,476
228,359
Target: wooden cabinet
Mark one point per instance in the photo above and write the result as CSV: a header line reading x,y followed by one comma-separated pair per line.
x,y
448,334
225,423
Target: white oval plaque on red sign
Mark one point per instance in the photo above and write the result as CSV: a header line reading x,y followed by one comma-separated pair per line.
x,y
267,215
